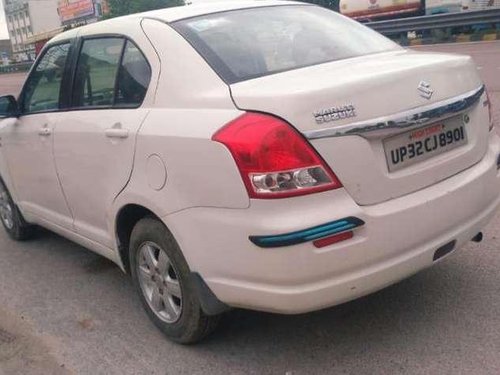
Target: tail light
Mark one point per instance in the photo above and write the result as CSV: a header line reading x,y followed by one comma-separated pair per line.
x,y
490,110
274,160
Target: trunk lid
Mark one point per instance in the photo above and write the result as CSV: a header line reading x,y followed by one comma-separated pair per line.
x,y
350,97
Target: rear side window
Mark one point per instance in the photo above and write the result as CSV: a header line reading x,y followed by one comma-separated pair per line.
x,y
133,78
98,65
251,43
111,72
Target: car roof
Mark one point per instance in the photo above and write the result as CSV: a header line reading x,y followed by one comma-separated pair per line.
x,y
193,9
202,7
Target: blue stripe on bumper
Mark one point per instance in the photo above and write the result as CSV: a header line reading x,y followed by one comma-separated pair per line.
x,y
307,235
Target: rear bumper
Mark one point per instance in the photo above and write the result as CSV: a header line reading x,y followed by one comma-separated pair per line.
x,y
400,238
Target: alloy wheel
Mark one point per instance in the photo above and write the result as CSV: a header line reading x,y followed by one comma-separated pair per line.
x,y
6,209
159,282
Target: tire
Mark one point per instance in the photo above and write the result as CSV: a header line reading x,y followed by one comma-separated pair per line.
x,y
165,285
12,219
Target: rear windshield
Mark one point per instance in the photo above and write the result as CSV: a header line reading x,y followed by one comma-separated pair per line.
x,y
251,43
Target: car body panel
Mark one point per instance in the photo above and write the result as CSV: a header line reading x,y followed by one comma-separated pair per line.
x,y
399,239
199,8
93,165
93,168
199,172
29,153
366,83
186,81
191,94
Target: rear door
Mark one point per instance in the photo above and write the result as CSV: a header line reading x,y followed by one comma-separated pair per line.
x,y
94,142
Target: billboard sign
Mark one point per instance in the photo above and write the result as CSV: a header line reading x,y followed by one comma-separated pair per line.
x,y
71,10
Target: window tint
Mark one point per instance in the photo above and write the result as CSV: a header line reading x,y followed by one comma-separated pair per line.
x,y
43,87
96,72
100,79
250,43
133,78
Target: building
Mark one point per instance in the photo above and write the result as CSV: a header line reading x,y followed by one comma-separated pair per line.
x,y
26,18
81,12
72,13
5,52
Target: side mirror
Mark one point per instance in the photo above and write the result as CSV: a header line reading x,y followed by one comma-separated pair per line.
x,y
8,107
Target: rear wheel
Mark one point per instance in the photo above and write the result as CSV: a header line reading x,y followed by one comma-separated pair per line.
x,y
163,280
11,217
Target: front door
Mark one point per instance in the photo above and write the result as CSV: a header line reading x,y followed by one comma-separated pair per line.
x,y
28,141
95,141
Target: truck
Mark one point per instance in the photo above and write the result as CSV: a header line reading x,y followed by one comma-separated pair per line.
x,y
375,10
480,4
443,6
452,6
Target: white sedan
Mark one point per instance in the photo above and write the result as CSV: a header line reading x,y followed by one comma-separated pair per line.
x,y
267,155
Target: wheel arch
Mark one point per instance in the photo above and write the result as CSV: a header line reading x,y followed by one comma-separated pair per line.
x,y
5,175
126,219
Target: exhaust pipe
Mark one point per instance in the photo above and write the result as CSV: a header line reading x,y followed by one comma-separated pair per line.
x,y
478,237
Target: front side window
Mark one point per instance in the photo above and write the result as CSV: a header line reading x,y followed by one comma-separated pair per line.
x,y
43,87
251,43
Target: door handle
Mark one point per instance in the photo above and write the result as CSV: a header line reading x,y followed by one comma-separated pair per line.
x,y
116,133
45,132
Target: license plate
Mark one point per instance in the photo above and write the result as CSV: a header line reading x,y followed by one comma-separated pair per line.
x,y
421,144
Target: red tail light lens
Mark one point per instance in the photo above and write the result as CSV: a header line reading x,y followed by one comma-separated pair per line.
x,y
490,110
274,160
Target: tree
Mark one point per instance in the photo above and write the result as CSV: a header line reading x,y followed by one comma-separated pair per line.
x,y
124,7
332,4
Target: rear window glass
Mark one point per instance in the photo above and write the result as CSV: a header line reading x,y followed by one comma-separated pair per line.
x,y
251,43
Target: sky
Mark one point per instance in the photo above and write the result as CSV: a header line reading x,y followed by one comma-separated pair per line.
x,y
3,26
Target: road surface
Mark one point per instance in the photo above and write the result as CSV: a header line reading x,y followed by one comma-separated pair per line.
x,y
65,310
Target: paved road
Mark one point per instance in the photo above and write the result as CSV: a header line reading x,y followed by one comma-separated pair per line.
x,y
66,310
11,83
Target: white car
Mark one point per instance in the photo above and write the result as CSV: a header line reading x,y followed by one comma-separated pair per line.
x,y
267,155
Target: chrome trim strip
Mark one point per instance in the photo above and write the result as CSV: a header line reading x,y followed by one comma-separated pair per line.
x,y
413,118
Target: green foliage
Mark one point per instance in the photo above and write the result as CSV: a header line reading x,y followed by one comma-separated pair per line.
x,y
332,4
124,7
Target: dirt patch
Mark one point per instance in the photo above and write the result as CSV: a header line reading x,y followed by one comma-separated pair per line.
x,y
6,337
21,352
86,324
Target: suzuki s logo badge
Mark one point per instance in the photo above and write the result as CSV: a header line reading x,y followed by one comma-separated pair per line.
x,y
424,88
334,114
